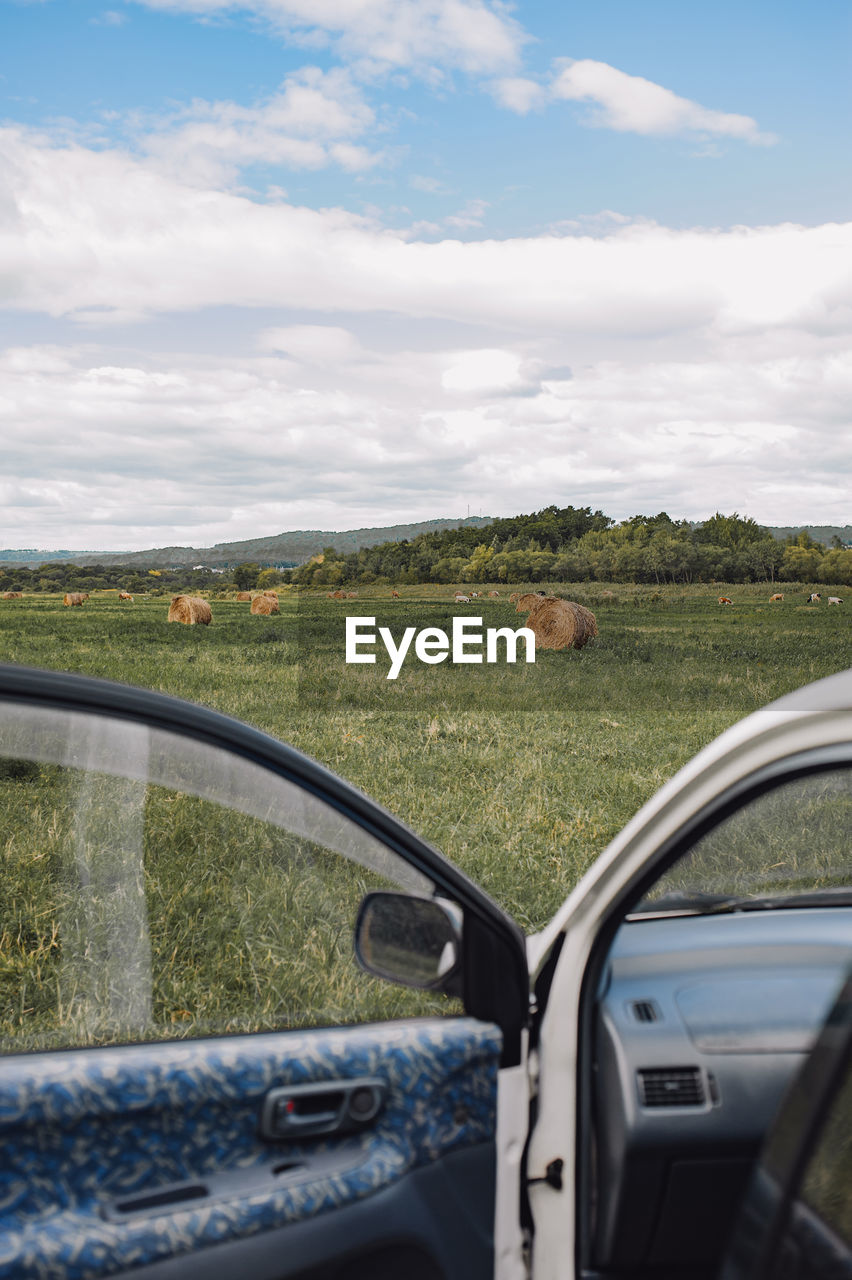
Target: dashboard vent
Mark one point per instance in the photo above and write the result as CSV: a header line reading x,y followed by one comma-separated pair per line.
x,y
671,1087
645,1011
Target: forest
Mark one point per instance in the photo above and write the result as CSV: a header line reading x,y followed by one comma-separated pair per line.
x,y
556,544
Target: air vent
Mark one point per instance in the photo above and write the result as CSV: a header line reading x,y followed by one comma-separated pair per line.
x,y
671,1087
644,1011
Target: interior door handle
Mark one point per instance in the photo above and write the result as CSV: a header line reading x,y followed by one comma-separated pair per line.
x,y
329,1106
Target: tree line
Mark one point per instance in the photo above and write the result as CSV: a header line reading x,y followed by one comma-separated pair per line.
x,y
556,544
573,545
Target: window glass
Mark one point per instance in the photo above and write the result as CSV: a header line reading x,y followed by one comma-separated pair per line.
x,y
827,1184
790,845
152,886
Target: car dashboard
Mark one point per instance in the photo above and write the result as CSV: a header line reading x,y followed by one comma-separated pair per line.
x,y
701,1023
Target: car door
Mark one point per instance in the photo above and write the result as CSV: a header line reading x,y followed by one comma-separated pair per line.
x,y
680,988
196,1078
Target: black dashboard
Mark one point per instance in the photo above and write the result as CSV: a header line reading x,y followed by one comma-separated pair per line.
x,y
701,1023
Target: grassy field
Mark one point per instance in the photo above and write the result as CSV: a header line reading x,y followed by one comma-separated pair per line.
x,y
521,775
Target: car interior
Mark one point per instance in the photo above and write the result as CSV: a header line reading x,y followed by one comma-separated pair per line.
x,y
707,1003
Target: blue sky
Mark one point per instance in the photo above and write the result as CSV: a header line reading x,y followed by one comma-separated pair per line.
x,y
337,262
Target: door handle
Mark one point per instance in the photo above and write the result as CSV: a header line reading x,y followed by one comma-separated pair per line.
x,y
328,1106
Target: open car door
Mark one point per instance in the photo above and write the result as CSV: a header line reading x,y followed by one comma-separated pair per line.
x,y
682,986
197,1078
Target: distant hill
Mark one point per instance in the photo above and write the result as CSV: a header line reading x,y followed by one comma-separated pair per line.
x,y
280,549
819,532
289,549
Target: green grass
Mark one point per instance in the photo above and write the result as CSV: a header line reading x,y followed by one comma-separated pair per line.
x,y
520,775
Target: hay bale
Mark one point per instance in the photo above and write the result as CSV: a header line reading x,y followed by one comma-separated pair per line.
x,y
530,600
189,610
244,595
264,605
561,624
13,595
72,598
271,592
337,595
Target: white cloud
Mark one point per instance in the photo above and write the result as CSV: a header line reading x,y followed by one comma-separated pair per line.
x,y
469,35
519,94
310,123
96,233
311,343
423,182
482,372
188,449
470,216
631,104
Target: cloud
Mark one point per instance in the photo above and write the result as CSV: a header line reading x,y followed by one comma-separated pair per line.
x,y
470,216
191,449
631,104
518,94
94,233
310,123
466,35
432,186
311,343
109,18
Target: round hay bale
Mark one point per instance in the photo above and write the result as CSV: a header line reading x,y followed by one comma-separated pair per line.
x,y
243,596
338,595
264,605
530,600
189,610
273,595
13,595
561,624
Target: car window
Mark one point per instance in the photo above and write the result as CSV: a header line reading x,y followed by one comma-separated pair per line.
x,y
789,846
153,886
827,1183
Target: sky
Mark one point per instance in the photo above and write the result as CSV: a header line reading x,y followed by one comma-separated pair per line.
x,y
340,263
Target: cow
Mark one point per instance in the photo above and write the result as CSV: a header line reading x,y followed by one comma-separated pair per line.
x,y
725,600
73,598
460,599
395,595
779,595
835,600
814,597
125,595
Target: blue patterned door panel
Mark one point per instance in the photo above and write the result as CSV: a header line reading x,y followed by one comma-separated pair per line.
x,y
178,900
88,1132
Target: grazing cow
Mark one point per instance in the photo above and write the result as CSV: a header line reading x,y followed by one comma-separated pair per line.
x,y
125,595
814,597
725,600
73,598
835,600
462,599
395,595
474,595
779,595
494,595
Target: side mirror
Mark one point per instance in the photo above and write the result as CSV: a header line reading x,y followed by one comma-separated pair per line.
x,y
410,940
